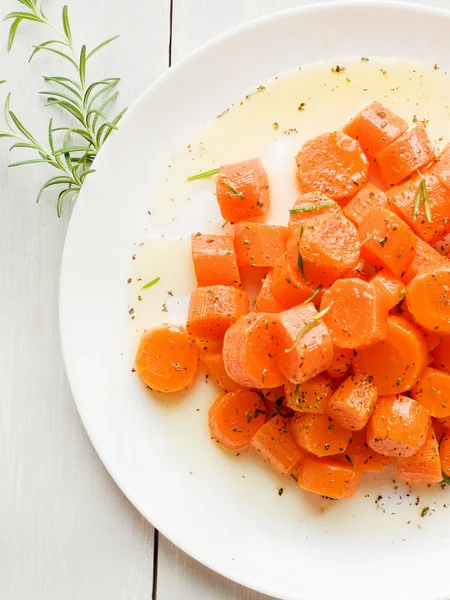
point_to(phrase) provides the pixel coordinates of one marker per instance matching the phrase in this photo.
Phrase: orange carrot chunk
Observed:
(249, 350)
(386, 241)
(444, 452)
(398, 426)
(362, 270)
(428, 298)
(353, 402)
(319, 434)
(329, 477)
(234, 419)
(368, 197)
(213, 309)
(274, 444)
(357, 315)
(375, 127)
(388, 286)
(309, 396)
(441, 167)
(411, 151)
(397, 362)
(333, 164)
(441, 355)
(305, 348)
(242, 190)
(259, 244)
(342, 363)
(362, 457)
(265, 300)
(289, 287)
(425, 256)
(433, 392)
(425, 465)
(215, 260)
(311, 205)
(212, 360)
(167, 359)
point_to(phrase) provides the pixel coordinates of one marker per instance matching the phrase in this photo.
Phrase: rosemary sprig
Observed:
(300, 257)
(310, 208)
(233, 190)
(150, 283)
(87, 103)
(422, 197)
(314, 294)
(314, 322)
(204, 175)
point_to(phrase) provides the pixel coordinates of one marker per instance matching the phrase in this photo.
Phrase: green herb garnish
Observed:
(311, 208)
(150, 283)
(300, 257)
(445, 478)
(204, 175)
(306, 328)
(422, 197)
(314, 294)
(233, 190)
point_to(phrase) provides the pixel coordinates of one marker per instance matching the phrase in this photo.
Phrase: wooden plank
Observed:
(66, 529)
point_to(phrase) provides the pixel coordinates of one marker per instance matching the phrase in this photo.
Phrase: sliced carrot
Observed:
(212, 360)
(310, 205)
(397, 362)
(242, 190)
(424, 256)
(333, 164)
(411, 151)
(391, 288)
(441, 355)
(386, 241)
(309, 396)
(234, 419)
(319, 434)
(362, 270)
(329, 247)
(441, 167)
(274, 444)
(215, 261)
(362, 457)
(402, 200)
(357, 315)
(289, 287)
(329, 477)
(342, 363)
(167, 359)
(432, 341)
(443, 246)
(375, 127)
(398, 426)
(433, 392)
(368, 197)
(265, 300)
(428, 298)
(305, 348)
(425, 465)
(249, 349)
(213, 309)
(259, 244)
(444, 452)
(353, 402)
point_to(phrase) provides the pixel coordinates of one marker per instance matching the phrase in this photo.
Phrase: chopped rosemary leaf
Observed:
(233, 190)
(204, 175)
(310, 208)
(150, 283)
(306, 328)
(314, 294)
(445, 478)
(300, 257)
(422, 197)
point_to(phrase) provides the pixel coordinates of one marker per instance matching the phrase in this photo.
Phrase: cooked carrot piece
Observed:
(265, 300)
(353, 402)
(234, 418)
(386, 241)
(443, 246)
(333, 164)
(342, 363)
(319, 434)
(249, 349)
(425, 465)
(329, 247)
(368, 197)
(411, 151)
(402, 198)
(309, 396)
(391, 288)
(311, 205)
(432, 340)
(444, 452)
(375, 127)
(441, 355)
(441, 167)
(424, 256)
(362, 270)
(428, 298)
(215, 261)
(259, 244)
(357, 315)
(288, 286)
(274, 444)
(305, 348)
(213, 309)
(397, 362)
(329, 477)
(398, 426)
(212, 360)
(167, 359)
(362, 457)
(242, 190)
(433, 392)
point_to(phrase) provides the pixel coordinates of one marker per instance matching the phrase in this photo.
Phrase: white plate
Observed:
(284, 546)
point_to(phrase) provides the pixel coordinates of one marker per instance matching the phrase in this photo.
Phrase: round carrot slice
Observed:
(362, 457)
(444, 452)
(441, 355)
(309, 396)
(425, 465)
(332, 163)
(396, 363)
(428, 298)
(319, 434)
(330, 477)
(234, 418)
(433, 392)
(167, 359)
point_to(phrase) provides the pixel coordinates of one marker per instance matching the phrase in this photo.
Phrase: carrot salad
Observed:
(350, 329)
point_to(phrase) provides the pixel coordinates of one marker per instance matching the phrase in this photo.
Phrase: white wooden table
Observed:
(66, 531)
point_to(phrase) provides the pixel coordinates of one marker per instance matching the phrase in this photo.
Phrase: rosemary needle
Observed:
(150, 283)
(233, 190)
(314, 294)
(204, 175)
(311, 208)
(315, 321)
(422, 197)
(300, 257)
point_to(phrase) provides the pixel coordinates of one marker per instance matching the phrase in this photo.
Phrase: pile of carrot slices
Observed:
(342, 363)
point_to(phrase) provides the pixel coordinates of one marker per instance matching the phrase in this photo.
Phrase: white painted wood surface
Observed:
(66, 531)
